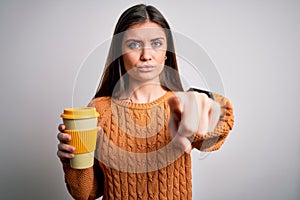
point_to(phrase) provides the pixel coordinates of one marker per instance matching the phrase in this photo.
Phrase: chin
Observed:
(144, 77)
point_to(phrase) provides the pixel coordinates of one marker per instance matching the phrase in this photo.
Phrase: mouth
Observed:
(145, 68)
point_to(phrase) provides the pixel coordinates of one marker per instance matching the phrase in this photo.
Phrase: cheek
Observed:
(160, 57)
(129, 60)
(162, 60)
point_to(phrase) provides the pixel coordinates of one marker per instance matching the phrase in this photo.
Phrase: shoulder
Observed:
(101, 103)
(100, 100)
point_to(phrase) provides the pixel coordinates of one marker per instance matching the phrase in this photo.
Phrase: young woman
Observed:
(148, 124)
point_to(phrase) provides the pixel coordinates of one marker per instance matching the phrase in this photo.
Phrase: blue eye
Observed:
(134, 45)
(156, 43)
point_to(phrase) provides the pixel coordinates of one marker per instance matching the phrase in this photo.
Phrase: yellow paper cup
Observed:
(81, 124)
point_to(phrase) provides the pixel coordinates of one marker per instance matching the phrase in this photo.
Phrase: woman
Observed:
(148, 124)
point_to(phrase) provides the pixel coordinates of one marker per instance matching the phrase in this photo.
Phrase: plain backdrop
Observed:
(254, 45)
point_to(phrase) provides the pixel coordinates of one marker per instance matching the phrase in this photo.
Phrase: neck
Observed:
(144, 92)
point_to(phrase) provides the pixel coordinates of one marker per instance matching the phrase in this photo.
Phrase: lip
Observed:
(146, 68)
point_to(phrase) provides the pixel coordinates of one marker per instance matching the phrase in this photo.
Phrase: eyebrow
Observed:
(159, 38)
(137, 40)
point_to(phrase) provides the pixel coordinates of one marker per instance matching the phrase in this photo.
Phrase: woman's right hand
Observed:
(64, 151)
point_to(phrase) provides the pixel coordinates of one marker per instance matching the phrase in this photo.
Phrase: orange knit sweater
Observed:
(135, 157)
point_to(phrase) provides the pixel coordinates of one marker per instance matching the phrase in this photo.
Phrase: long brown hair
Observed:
(115, 70)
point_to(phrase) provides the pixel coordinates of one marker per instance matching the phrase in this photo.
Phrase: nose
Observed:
(146, 54)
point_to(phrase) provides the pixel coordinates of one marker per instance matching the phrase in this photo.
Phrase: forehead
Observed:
(147, 30)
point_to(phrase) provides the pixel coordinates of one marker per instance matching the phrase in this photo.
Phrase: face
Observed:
(144, 49)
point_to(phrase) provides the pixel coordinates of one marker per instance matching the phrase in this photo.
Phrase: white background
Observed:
(255, 46)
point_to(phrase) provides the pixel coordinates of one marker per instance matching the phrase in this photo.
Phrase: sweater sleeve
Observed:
(84, 184)
(212, 141)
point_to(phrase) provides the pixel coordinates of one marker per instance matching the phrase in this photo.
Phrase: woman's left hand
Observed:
(191, 113)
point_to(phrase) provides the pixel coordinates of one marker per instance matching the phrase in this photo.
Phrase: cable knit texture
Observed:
(135, 157)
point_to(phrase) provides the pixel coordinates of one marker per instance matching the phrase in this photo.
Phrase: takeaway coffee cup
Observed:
(81, 124)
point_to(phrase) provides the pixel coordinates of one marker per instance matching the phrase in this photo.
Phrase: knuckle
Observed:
(60, 146)
(59, 136)
(182, 143)
(59, 154)
(201, 133)
(206, 102)
(62, 137)
(60, 127)
(188, 128)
